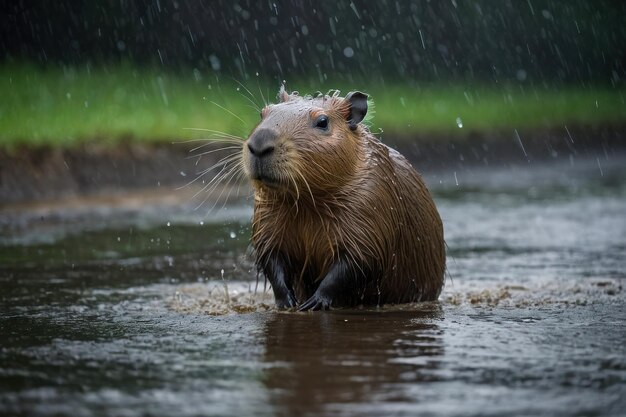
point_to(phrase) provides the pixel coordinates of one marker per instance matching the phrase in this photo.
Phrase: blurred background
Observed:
(87, 78)
(118, 72)
(531, 43)
(82, 71)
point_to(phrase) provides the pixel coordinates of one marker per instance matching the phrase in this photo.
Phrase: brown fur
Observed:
(344, 192)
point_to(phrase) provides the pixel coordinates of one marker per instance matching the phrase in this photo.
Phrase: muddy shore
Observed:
(31, 174)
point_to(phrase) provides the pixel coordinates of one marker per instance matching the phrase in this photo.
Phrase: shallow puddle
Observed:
(155, 309)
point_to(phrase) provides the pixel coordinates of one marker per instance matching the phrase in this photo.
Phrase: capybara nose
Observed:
(261, 143)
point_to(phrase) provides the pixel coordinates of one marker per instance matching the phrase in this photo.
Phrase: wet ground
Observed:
(140, 306)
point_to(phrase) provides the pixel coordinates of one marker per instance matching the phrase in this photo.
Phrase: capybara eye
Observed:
(321, 123)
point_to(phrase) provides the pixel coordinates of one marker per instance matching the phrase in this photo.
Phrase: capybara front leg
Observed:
(283, 293)
(338, 288)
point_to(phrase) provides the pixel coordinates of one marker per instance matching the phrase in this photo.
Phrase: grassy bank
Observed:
(66, 107)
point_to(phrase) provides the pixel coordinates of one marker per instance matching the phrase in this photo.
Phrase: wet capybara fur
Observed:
(340, 219)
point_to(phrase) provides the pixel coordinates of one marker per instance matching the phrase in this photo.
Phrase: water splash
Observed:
(218, 300)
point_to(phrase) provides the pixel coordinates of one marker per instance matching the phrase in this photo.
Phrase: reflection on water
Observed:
(323, 361)
(132, 310)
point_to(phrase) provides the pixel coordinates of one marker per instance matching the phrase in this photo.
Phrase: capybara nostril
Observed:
(261, 143)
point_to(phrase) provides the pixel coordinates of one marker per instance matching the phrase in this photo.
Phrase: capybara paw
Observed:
(316, 302)
(287, 301)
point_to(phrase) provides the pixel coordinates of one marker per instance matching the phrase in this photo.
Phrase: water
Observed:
(107, 310)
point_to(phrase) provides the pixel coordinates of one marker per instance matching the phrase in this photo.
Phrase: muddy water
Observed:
(142, 306)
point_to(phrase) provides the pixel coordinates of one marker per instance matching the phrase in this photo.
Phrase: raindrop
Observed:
(569, 134)
(519, 139)
(215, 62)
(348, 52)
(233, 235)
(201, 223)
(356, 12)
(168, 224)
(331, 23)
(182, 174)
(459, 122)
(422, 39)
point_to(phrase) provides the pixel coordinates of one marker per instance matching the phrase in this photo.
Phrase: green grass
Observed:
(65, 107)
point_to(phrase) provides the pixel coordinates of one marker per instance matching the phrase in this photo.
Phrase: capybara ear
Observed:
(357, 102)
(283, 95)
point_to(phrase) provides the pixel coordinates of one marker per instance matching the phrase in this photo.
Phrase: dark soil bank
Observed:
(41, 173)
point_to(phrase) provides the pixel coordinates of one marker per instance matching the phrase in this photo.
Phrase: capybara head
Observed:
(306, 144)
